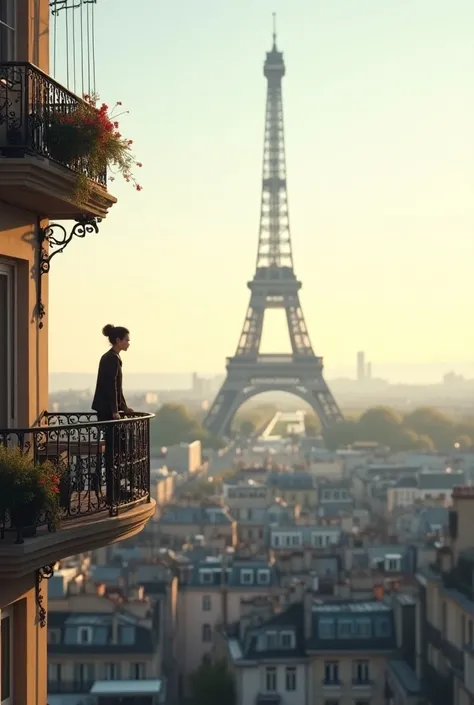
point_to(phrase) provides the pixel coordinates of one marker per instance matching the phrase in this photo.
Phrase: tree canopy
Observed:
(424, 429)
(212, 684)
(312, 424)
(173, 424)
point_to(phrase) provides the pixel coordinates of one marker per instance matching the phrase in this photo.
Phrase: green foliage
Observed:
(424, 429)
(173, 424)
(312, 425)
(212, 684)
(247, 427)
(258, 416)
(26, 488)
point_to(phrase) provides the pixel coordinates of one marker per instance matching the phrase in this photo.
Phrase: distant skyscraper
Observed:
(360, 366)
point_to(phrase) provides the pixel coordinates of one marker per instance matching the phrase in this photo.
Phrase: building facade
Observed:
(36, 192)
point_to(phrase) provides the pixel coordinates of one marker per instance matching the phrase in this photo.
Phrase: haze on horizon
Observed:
(379, 108)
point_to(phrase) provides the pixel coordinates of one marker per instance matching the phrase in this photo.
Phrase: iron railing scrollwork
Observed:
(29, 101)
(103, 466)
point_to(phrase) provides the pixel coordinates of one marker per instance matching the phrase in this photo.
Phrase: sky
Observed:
(379, 115)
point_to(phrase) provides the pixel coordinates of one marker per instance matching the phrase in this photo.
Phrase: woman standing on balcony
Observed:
(109, 402)
(108, 398)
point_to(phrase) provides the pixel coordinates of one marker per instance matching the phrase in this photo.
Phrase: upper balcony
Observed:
(32, 175)
(104, 488)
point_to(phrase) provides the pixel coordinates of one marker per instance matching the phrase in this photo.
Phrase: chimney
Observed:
(461, 525)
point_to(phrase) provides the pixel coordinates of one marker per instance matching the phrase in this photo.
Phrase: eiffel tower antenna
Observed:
(274, 285)
(274, 30)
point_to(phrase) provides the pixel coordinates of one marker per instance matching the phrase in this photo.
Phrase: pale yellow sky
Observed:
(379, 115)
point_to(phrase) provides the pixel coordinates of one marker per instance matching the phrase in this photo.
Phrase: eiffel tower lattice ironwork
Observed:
(274, 286)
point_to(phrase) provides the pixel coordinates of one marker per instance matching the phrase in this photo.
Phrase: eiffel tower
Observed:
(274, 286)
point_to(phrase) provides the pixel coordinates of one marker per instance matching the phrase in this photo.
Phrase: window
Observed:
(287, 640)
(361, 671)
(331, 672)
(363, 628)
(463, 629)
(393, 564)
(382, 627)
(54, 672)
(246, 577)
(127, 635)
(84, 635)
(272, 640)
(206, 632)
(205, 576)
(112, 671)
(276, 540)
(326, 629)
(137, 671)
(296, 540)
(263, 577)
(6, 661)
(7, 333)
(290, 678)
(270, 679)
(206, 603)
(331, 702)
(7, 30)
(345, 628)
(84, 673)
(362, 702)
(54, 636)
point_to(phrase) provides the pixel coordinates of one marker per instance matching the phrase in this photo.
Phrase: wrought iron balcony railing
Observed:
(29, 101)
(103, 466)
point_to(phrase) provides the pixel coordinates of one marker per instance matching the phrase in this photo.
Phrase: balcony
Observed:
(104, 488)
(30, 177)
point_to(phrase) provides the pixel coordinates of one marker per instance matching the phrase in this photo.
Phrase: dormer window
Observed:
(287, 640)
(263, 577)
(205, 576)
(393, 563)
(84, 635)
(272, 640)
(246, 577)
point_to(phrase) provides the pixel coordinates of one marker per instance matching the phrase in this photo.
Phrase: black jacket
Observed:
(108, 397)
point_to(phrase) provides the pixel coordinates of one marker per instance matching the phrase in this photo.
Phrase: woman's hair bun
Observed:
(108, 330)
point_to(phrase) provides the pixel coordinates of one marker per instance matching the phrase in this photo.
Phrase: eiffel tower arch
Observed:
(274, 285)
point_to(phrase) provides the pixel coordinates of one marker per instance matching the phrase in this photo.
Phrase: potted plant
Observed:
(86, 138)
(27, 490)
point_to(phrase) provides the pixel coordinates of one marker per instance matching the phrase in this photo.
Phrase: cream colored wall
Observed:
(347, 695)
(191, 618)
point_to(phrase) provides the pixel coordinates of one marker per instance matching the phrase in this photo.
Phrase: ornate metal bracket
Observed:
(44, 573)
(58, 239)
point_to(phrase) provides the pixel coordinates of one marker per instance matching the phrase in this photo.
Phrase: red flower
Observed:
(139, 188)
(139, 165)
